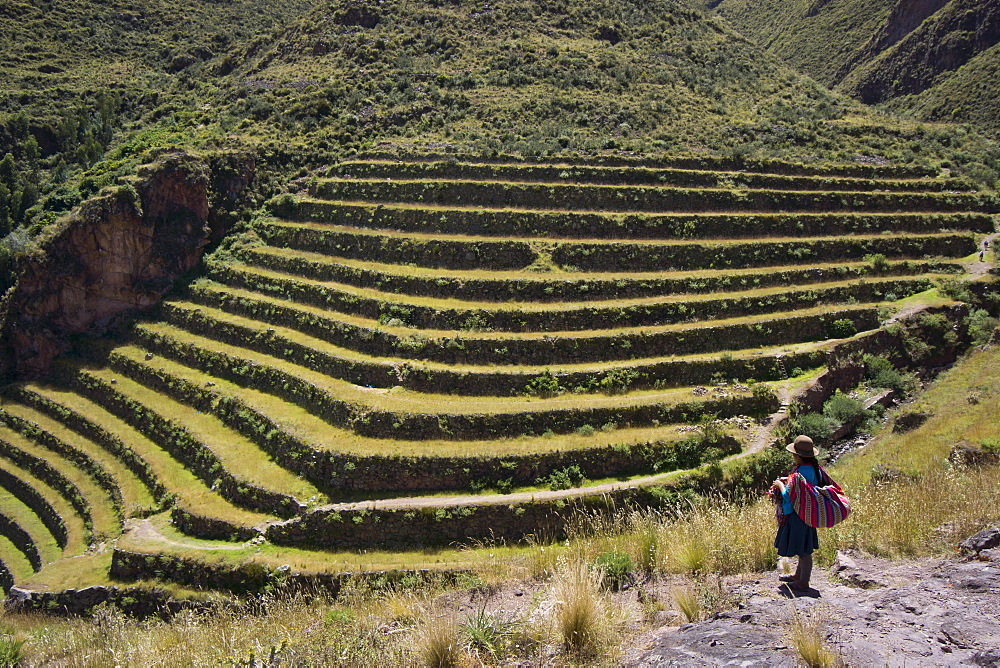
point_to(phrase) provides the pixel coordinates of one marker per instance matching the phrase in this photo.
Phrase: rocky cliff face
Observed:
(121, 251)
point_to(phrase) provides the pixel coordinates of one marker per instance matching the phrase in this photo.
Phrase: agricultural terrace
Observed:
(424, 353)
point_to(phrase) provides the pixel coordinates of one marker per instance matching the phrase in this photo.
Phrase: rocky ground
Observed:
(870, 612)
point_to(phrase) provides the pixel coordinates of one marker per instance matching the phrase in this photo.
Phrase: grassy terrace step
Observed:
(265, 559)
(414, 416)
(12, 528)
(432, 313)
(554, 287)
(160, 471)
(305, 443)
(49, 546)
(453, 252)
(692, 162)
(564, 173)
(29, 495)
(14, 566)
(643, 198)
(509, 222)
(353, 367)
(19, 483)
(73, 485)
(452, 347)
(219, 456)
(130, 493)
(15, 561)
(192, 383)
(59, 451)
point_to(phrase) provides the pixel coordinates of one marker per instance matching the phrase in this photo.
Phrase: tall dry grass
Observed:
(920, 515)
(711, 536)
(807, 636)
(438, 641)
(579, 613)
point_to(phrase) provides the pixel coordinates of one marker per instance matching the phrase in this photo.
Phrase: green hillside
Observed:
(965, 96)
(80, 77)
(362, 285)
(934, 60)
(819, 38)
(298, 85)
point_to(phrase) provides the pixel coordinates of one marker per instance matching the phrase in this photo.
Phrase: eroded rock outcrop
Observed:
(121, 251)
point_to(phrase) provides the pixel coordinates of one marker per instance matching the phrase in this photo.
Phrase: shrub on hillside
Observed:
(564, 478)
(957, 289)
(843, 408)
(816, 426)
(928, 337)
(752, 475)
(981, 326)
(878, 261)
(842, 329)
(283, 205)
(545, 386)
(880, 372)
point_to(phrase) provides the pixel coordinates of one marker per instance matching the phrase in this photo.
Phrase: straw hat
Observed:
(803, 447)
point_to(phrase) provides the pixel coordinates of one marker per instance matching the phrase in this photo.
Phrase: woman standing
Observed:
(795, 538)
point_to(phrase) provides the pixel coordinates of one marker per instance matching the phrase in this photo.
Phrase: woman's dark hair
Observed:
(809, 461)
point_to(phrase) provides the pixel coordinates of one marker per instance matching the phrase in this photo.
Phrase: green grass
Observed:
(403, 401)
(24, 517)
(845, 44)
(356, 356)
(426, 312)
(820, 42)
(597, 242)
(81, 571)
(136, 497)
(634, 175)
(178, 480)
(213, 289)
(304, 561)
(102, 508)
(559, 284)
(463, 80)
(14, 560)
(337, 351)
(961, 402)
(662, 542)
(238, 455)
(324, 436)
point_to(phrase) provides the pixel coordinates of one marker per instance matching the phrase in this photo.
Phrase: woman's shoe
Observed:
(788, 578)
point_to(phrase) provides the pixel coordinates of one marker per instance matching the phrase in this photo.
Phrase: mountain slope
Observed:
(94, 86)
(884, 50)
(964, 96)
(946, 40)
(526, 76)
(817, 37)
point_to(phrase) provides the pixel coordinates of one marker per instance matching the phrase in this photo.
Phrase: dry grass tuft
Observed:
(688, 603)
(806, 636)
(438, 641)
(580, 613)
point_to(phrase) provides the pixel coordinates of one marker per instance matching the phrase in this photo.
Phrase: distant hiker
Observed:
(986, 244)
(982, 255)
(795, 538)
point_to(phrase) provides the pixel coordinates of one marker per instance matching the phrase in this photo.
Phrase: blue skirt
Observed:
(796, 538)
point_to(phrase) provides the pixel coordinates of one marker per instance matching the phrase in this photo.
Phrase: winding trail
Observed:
(147, 532)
